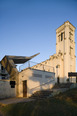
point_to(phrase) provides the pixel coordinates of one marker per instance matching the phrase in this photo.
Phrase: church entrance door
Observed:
(25, 88)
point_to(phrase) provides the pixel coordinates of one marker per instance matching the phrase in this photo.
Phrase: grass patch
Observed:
(64, 104)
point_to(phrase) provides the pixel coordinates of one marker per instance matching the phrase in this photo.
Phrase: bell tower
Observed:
(65, 45)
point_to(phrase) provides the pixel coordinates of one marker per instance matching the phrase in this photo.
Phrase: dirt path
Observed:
(15, 100)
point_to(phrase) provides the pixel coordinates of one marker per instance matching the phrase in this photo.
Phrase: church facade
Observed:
(44, 75)
(64, 60)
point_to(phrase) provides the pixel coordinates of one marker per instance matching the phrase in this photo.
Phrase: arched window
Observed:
(61, 36)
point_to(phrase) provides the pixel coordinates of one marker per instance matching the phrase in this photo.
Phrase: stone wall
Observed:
(5, 90)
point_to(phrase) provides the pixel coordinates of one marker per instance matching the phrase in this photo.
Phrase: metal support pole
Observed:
(29, 64)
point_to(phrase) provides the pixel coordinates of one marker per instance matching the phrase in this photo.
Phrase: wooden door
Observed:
(25, 88)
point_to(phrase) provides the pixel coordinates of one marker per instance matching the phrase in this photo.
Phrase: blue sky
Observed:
(29, 26)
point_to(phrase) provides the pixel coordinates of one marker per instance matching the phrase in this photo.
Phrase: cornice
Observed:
(67, 23)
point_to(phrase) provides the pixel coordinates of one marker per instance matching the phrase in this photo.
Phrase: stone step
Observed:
(62, 85)
(41, 94)
(58, 88)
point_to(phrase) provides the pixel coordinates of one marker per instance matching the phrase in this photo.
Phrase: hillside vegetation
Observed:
(64, 104)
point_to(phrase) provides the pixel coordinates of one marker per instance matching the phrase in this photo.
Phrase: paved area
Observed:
(15, 100)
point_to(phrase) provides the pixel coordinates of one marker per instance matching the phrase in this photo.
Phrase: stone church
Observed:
(44, 75)
(64, 60)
